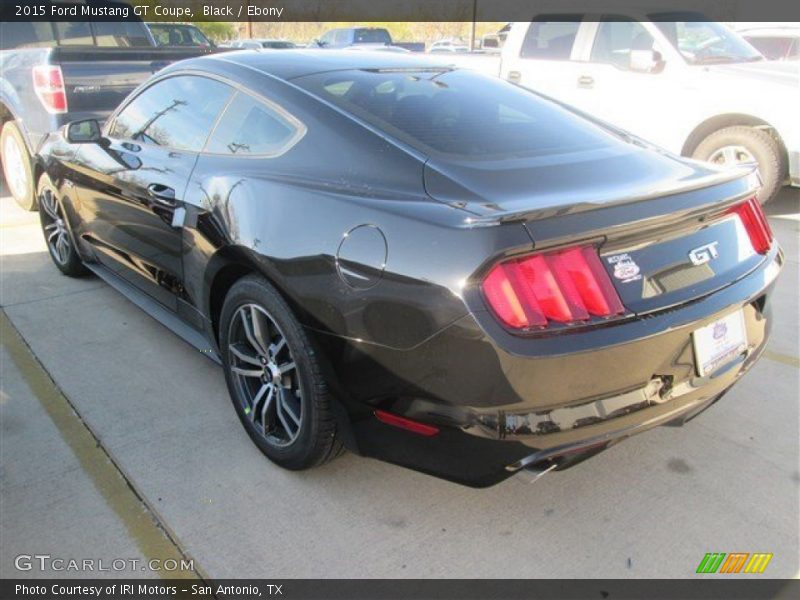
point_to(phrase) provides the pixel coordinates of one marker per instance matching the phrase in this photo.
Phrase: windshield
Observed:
(371, 36)
(456, 113)
(704, 42)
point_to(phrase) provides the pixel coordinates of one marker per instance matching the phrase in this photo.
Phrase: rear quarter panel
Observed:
(288, 217)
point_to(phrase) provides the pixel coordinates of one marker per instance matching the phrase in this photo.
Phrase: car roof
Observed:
(289, 64)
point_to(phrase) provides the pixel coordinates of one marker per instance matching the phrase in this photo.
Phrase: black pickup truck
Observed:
(52, 73)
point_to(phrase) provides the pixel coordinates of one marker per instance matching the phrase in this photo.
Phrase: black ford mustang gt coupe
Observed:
(416, 262)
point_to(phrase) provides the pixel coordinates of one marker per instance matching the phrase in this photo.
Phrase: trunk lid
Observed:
(659, 222)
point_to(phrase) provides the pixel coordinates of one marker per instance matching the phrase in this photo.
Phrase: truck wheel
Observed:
(17, 166)
(742, 146)
(274, 378)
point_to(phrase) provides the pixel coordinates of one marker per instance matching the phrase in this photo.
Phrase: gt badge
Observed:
(703, 254)
(625, 268)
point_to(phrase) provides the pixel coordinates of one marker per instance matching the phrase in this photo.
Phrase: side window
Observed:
(177, 112)
(26, 35)
(551, 39)
(120, 34)
(251, 127)
(616, 39)
(78, 33)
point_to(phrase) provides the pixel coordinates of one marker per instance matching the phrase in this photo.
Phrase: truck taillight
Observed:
(755, 223)
(563, 286)
(48, 83)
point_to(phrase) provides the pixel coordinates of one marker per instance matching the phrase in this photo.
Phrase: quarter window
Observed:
(616, 39)
(551, 39)
(177, 112)
(251, 127)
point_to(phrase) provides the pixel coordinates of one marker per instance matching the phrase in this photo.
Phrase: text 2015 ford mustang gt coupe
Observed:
(415, 262)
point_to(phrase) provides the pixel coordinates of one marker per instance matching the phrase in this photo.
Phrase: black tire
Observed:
(54, 228)
(21, 165)
(760, 144)
(316, 441)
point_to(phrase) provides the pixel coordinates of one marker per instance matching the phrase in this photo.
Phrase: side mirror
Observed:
(83, 132)
(320, 43)
(646, 61)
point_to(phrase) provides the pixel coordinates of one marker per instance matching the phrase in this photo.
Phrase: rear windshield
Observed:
(457, 113)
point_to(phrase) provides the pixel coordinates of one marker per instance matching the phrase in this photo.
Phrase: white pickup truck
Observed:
(695, 88)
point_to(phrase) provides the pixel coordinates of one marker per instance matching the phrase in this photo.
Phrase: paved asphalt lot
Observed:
(154, 411)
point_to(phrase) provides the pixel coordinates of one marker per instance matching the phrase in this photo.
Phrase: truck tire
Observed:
(17, 166)
(741, 145)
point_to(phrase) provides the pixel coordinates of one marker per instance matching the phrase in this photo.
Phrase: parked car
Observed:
(775, 43)
(693, 87)
(467, 284)
(179, 34)
(448, 45)
(447, 49)
(491, 43)
(55, 72)
(374, 37)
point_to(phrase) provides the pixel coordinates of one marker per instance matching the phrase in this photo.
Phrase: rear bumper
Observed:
(504, 403)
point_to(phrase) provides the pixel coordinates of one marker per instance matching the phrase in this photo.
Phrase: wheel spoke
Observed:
(56, 233)
(277, 346)
(286, 367)
(254, 405)
(244, 357)
(265, 408)
(248, 332)
(286, 405)
(247, 372)
(260, 329)
(279, 406)
(63, 248)
(51, 226)
(729, 155)
(48, 203)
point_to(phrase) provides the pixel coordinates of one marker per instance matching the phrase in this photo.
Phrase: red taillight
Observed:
(48, 83)
(407, 424)
(755, 223)
(564, 286)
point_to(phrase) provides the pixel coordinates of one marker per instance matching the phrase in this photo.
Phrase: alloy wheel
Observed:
(55, 230)
(265, 375)
(733, 156)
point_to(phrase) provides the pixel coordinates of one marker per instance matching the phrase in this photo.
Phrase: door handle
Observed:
(163, 194)
(514, 76)
(586, 81)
